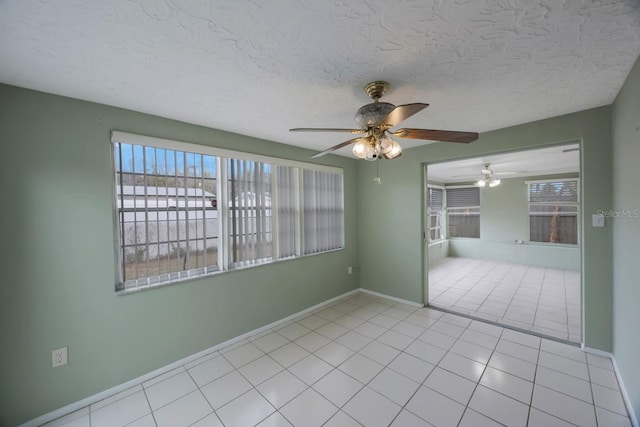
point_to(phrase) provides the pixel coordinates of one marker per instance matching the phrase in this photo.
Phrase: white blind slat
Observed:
(463, 197)
(434, 199)
(561, 191)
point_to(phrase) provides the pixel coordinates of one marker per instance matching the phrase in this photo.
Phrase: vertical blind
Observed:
(185, 210)
(287, 211)
(322, 211)
(250, 211)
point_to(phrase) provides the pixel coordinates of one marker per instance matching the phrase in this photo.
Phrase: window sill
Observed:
(144, 288)
(554, 245)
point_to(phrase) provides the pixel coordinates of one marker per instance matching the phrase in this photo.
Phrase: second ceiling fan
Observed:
(376, 120)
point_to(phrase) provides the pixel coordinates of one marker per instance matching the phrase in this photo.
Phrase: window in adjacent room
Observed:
(185, 210)
(463, 211)
(553, 211)
(435, 205)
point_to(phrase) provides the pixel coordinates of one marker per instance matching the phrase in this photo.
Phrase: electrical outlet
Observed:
(59, 357)
(349, 270)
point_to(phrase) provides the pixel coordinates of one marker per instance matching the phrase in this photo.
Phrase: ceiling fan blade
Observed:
(400, 113)
(336, 147)
(353, 131)
(437, 135)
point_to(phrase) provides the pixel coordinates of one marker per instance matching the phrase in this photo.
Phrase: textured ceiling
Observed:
(543, 161)
(261, 67)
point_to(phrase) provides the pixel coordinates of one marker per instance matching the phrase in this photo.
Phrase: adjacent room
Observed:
(347, 213)
(503, 239)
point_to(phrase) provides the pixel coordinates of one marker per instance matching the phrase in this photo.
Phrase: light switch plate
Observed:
(597, 220)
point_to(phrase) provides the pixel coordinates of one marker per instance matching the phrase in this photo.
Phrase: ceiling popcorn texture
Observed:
(261, 67)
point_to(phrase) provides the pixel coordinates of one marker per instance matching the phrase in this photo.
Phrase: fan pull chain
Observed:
(377, 179)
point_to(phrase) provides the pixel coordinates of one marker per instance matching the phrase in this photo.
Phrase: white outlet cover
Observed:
(59, 357)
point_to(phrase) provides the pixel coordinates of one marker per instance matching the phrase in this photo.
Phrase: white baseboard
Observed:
(625, 395)
(378, 294)
(623, 389)
(596, 351)
(76, 406)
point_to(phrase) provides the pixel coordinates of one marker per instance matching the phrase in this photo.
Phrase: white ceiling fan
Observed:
(487, 178)
(375, 121)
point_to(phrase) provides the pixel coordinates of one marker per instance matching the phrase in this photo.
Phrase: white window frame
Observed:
(442, 223)
(224, 259)
(557, 203)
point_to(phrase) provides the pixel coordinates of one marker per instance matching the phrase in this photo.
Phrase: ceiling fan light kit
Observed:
(376, 119)
(487, 178)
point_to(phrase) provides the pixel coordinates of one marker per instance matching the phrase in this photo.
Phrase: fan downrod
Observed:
(375, 90)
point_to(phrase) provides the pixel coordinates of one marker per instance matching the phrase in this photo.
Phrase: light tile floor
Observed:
(374, 362)
(538, 299)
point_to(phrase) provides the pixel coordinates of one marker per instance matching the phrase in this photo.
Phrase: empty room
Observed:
(503, 239)
(360, 213)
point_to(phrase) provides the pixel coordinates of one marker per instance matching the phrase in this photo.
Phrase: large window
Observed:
(185, 210)
(435, 205)
(463, 212)
(553, 211)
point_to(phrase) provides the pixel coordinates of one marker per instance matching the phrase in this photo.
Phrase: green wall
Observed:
(58, 260)
(438, 251)
(504, 218)
(626, 234)
(391, 249)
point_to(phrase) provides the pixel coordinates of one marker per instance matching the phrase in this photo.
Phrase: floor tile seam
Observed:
(626, 411)
(196, 421)
(592, 404)
(506, 395)
(607, 387)
(146, 395)
(493, 419)
(246, 363)
(624, 403)
(274, 349)
(555, 416)
(267, 379)
(518, 357)
(216, 378)
(567, 358)
(375, 391)
(514, 295)
(340, 408)
(216, 411)
(130, 393)
(595, 414)
(547, 319)
(404, 407)
(479, 332)
(179, 370)
(484, 370)
(567, 394)
(468, 408)
(535, 375)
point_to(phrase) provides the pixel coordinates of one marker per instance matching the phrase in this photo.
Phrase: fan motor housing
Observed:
(371, 114)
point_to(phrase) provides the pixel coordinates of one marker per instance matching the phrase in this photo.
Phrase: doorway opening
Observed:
(503, 239)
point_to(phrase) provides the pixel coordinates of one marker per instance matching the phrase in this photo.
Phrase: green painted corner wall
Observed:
(58, 260)
(390, 224)
(626, 234)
